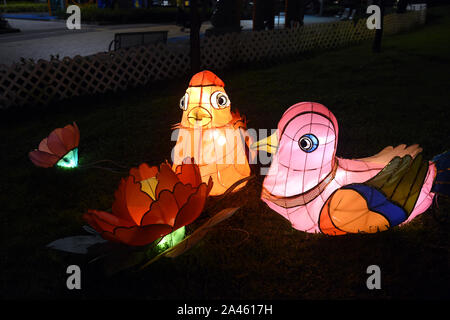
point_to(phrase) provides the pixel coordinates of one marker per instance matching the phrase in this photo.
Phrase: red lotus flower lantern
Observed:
(60, 148)
(151, 203)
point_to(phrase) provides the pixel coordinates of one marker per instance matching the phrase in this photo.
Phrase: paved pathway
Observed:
(40, 39)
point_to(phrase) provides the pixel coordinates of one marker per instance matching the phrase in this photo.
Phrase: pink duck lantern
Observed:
(319, 192)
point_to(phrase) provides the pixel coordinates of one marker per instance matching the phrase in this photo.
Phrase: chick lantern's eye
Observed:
(184, 102)
(220, 100)
(308, 142)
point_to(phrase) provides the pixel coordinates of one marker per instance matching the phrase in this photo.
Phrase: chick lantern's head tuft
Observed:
(206, 78)
(205, 103)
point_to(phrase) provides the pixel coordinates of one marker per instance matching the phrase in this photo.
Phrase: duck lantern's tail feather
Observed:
(401, 181)
(384, 201)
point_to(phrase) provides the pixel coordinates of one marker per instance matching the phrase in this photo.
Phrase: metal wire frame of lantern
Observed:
(60, 148)
(212, 134)
(148, 218)
(320, 192)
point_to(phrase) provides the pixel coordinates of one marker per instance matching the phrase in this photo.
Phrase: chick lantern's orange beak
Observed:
(199, 116)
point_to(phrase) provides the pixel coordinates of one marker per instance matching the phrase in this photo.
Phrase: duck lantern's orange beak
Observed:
(269, 144)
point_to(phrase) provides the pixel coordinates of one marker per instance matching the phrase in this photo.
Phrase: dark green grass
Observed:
(399, 96)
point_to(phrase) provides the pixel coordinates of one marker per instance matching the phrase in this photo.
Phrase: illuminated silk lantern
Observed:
(59, 148)
(319, 192)
(212, 134)
(152, 203)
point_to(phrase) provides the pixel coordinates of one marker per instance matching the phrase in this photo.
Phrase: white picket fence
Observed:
(45, 81)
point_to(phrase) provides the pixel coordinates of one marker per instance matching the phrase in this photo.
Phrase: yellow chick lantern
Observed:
(212, 134)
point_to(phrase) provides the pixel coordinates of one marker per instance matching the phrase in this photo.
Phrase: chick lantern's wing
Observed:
(382, 202)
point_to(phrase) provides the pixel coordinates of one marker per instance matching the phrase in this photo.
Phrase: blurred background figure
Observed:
(295, 12)
(264, 15)
(226, 17)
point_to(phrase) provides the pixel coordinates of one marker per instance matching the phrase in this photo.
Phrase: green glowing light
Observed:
(172, 239)
(70, 160)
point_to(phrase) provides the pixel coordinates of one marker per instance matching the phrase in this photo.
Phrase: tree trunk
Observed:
(195, 37)
(269, 14)
(237, 14)
(287, 15)
(258, 15)
(379, 32)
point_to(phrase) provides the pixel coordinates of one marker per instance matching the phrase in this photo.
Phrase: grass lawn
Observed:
(398, 96)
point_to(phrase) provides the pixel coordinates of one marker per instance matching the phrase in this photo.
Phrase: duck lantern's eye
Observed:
(308, 142)
(220, 100)
(184, 102)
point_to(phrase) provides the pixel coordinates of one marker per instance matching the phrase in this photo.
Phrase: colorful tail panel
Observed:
(382, 202)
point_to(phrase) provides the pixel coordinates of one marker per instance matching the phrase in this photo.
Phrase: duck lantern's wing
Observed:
(382, 202)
